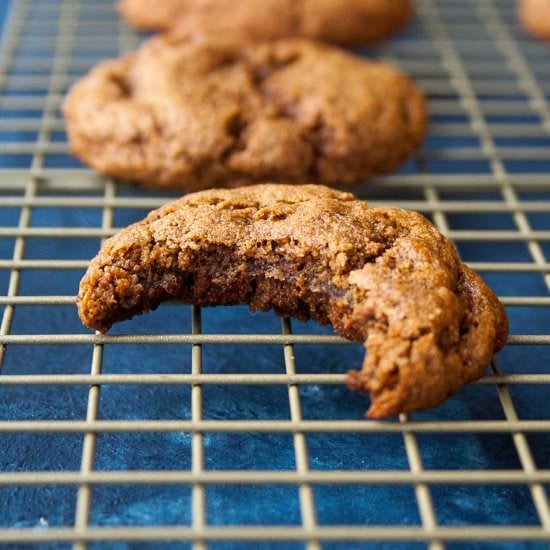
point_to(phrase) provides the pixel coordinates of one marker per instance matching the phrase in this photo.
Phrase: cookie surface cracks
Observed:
(382, 276)
(190, 115)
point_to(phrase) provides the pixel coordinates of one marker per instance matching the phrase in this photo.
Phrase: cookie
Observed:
(345, 22)
(382, 276)
(191, 115)
(535, 17)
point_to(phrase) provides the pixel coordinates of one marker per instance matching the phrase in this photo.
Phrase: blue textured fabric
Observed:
(254, 505)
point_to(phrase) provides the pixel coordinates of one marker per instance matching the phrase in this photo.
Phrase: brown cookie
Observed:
(341, 21)
(535, 17)
(190, 115)
(382, 276)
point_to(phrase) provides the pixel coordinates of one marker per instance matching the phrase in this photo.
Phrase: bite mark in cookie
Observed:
(347, 22)
(382, 276)
(190, 115)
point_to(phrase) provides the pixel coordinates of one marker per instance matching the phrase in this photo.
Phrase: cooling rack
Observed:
(224, 429)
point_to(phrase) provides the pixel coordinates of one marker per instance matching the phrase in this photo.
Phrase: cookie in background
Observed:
(192, 113)
(346, 22)
(535, 17)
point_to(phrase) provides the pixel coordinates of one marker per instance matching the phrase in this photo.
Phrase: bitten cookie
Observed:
(382, 276)
(341, 21)
(190, 115)
(535, 17)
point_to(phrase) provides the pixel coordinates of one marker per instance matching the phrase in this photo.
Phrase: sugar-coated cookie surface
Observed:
(535, 17)
(382, 276)
(340, 21)
(193, 114)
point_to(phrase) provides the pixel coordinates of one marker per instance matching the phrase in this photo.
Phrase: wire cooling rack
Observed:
(223, 429)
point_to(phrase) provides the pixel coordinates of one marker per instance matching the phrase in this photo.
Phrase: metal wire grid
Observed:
(454, 87)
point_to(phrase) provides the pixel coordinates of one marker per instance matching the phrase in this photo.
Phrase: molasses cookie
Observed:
(535, 17)
(382, 276)
(190, 114)
(341, 21)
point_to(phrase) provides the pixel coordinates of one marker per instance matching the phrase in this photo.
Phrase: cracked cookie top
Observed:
(341, 21)
(192, 113)
(382, 276)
